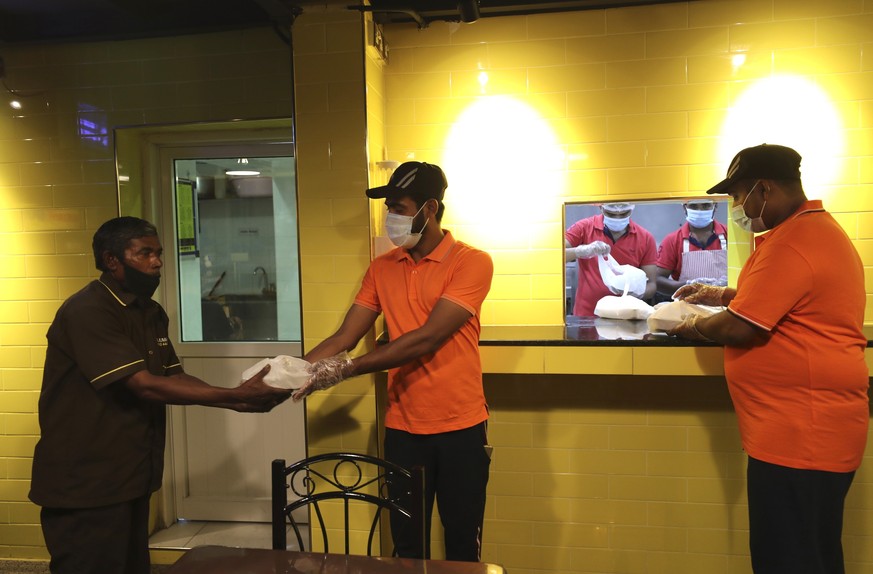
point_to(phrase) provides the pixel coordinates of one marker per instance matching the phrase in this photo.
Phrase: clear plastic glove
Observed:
(591, 250)
(325, 374)
(687, 329)
(700, 294)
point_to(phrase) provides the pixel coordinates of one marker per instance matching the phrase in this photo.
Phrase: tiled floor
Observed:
(42, 567)
(181, 536)
(187, 534)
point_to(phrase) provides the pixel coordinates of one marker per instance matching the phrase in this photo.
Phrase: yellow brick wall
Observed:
(590, 474)
(634, 102)
(616, 473)
(331, 122)
(56, 187)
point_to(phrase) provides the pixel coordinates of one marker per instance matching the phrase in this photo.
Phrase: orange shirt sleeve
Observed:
(471, 281)
(367, 295)
(772, 284)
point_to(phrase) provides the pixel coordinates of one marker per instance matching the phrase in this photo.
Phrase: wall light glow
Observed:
(505, 171)
(791, 111)
(483, 81)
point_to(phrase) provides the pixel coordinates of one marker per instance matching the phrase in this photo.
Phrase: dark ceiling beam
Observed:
(425, 11)
(47, 21)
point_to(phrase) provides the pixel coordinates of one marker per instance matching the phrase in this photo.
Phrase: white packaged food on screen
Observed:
(622, 279)
(669, 315)
(624, 307)
(286, 372)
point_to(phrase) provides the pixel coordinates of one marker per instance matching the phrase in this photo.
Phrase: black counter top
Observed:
(593, 331)
(587, 331)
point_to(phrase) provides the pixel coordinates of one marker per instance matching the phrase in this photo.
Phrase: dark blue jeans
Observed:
(455, 473)
(796, 519)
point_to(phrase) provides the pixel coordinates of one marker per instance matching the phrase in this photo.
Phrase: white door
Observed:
(232, 290)
(222, 458)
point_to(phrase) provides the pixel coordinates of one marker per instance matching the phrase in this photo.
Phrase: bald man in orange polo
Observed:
(430, 289)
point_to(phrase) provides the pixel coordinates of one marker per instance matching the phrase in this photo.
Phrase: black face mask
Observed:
(140, 283)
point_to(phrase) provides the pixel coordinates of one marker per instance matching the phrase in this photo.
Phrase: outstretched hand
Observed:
(593, 249)
(258, 396)
(700, 294)
(325, 374)
(687, 329)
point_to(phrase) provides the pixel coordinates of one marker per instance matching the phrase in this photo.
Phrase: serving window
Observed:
(661, 235)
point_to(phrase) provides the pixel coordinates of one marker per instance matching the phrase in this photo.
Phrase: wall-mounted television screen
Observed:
(674, 241)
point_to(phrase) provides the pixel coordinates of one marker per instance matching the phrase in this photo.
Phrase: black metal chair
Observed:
(354, 479)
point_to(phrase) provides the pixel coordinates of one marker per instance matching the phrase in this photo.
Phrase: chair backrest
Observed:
(353, 479)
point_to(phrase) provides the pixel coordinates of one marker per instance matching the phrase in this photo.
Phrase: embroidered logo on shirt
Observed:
(162, 341)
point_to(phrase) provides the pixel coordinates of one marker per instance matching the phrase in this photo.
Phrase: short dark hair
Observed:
(420, 201)
(116, 234)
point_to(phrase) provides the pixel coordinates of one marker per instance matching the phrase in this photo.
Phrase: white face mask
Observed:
(616, 224)
(399, 228)
(699, 218)
(738, 214)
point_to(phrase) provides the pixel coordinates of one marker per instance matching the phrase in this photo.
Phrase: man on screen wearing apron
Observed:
(694, 253)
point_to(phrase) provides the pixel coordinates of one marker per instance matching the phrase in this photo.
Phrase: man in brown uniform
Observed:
(110, 369)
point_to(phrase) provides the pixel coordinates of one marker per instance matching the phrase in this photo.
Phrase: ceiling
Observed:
(42, 21)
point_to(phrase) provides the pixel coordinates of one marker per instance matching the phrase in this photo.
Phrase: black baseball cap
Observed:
(765, 161)
(415, 179)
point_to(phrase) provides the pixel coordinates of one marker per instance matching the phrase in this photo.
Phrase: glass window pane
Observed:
(236, 224)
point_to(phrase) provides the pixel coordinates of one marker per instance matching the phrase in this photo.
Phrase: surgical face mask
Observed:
(139, 283)
(738, 214)
(699, 218)
(616, 224)
(399, 228)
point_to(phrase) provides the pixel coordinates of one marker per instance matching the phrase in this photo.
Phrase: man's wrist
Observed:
(348, 369)
(696, 330)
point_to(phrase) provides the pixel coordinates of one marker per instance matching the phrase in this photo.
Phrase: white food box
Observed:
(286, 372)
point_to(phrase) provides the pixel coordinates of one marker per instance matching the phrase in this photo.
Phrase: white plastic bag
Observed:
(285, 372)
(622, 278)
(624, 307)
(671, 314)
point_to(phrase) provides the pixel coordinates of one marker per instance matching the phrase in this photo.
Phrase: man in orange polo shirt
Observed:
(794, 362)
(431, 289)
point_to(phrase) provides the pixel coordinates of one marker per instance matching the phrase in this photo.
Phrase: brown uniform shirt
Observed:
(100, 444)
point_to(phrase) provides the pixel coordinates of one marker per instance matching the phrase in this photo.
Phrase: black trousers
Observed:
(106, 540)
(796, 519)
(456, 473)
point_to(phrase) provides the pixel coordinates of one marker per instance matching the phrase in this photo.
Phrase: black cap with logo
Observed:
(765, 161)
(413, 178)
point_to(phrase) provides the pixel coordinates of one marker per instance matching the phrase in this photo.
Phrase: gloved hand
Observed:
(687, 329)
(700, 294)
(325, 374)
(592, 249)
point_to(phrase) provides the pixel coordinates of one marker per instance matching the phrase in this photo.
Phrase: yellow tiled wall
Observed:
(58, 184)
(615, 473)
(637, 100)
(591, 473)
(332, 112)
